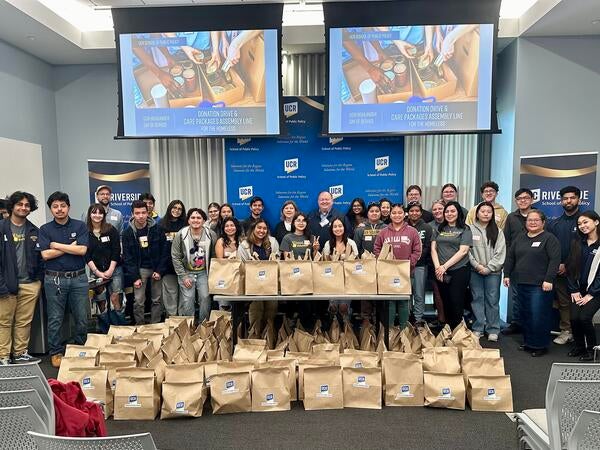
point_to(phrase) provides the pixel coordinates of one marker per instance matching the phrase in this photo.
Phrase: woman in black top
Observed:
(103, 256)
(356, 214)
(169, 225)
(532, 263)
(584, 284)
(386, 208)
(225, 211)
(288, 211)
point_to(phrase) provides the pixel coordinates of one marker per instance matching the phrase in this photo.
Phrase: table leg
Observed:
(386, 323)
(235, 319)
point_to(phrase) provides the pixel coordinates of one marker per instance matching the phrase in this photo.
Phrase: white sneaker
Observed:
(25, 358)
(493, 337)
(4, 361)
(478, 333)
(563, 338)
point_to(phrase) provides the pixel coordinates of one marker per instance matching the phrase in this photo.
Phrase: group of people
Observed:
(467, 253)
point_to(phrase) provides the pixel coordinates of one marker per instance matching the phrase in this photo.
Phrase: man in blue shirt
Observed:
(565, 229)
(63, 243)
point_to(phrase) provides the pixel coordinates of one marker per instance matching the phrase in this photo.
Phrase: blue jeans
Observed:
(516, 304)
(187, 296)
(62, 293)
(486, 302)
(536, 315)
(418, 291)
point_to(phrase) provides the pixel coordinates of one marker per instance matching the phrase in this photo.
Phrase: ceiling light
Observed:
(84, 17)
(297, 14)
(513, 9)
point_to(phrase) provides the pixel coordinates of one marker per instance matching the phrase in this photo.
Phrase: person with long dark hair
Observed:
(213, 216)
(386, 208)
(225, 211)
(288, 211)
(231, 234)
(169, 225)
(584, 284)
(260, 242)
(191, 253)
(298, 241)
(532, 262)
(356, 214)
(103, 255)
(450, 245)
(365, 236)
(437, 211)
(487, 258)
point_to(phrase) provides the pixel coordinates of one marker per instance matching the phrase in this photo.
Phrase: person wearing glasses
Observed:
(532, 263)
(213, 216)
(365, 237)
(191, 253)
(298, 241)
(489, 192)
(288, 212)
(450, 194)
(514, 226)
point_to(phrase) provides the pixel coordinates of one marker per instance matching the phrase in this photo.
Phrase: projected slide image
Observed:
(199, 83)
(438, 68)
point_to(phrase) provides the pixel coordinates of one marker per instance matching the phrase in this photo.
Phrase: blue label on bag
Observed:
(270, 397)
(405, 388)
(86, 381)
(491, 392)
(180, 405)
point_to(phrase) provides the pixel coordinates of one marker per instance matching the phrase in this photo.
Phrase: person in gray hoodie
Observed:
(487, 258)
(191, 252)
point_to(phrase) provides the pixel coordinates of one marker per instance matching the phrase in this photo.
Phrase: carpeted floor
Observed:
(355, 428)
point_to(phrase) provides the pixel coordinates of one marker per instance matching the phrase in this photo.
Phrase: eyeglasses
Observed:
(179, 208)
(489, 191)
(300, 221)
(522, 199)
(533, 220)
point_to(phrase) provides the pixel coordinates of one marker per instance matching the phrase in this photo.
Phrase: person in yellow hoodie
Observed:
(489, 192)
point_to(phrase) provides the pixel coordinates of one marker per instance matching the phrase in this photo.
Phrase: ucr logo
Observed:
(290, 109)
(291, 165)
(336, 191)
(381, 163)
(537, 195)
(242, 141)
(246, 192)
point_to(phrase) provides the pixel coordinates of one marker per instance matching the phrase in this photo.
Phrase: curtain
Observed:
(190, 170)
(432, 161)
(193, 170)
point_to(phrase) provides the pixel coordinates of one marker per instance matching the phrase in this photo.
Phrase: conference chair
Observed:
(586, 433)
(28, 397)
(142, 441)
(30, 382)
(15, 422)
(571, 398)
(532, 424)
(25, 370)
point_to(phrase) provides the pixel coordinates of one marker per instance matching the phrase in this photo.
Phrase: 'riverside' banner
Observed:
(299, 166)
(545, 175)
(127, 179)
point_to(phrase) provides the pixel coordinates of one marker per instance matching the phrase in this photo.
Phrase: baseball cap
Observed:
(103, 186)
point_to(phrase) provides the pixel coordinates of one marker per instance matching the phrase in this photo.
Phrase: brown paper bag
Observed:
(183, 329)
(118, 332)
(269, 335)
(427, 337)
(296, 277)
(441, 359)
(304, 341)
(80, 351)
(481, 353)
(318, 334)
(490, 393)
(463, 338)
(95, 386)
(210, 370)
(226, 277)
(158, 364)
(305, 363)
(275, 354)
(262, 277)
(444, 335)
(111, 357)
(173, 322)
(156, 337)
(328, 277)
(410, 339)
(348, 339)
(362, 387)
(334, 332)
(444, 390)
(161, 327)
(216, 313)
(330, 352)
(170, 347)
(98, 340)
(230, 393)
(290, 364)
(270, 389)
(323, 388)
(188, 348)
(118, 348)
(137, 395)
(112, 368)
(138, 345)
(225, 353)
(472, 367)
(205, 329)
(67, 363)
(252, 353)
(360, 277)
(182, 399)
(193, 372)
(393, 277)
(403, 380)
(234, 367)
(358, 359)
(368, 341)
(394, 339)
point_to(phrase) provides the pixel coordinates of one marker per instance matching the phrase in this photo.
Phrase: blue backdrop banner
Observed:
(299, 166)
(127, 179)
(545, 175)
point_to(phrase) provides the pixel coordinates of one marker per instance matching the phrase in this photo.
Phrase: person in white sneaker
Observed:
(20, 275)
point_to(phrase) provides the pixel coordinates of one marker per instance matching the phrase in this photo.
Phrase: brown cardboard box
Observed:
(229, 97)
(355, 75)
(466, 59)
(439, 92)
(146, 79)
(252, 63)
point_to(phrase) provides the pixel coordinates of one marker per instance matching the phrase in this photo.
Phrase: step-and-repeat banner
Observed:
(302, 164)
(127, 179)
(545, 175)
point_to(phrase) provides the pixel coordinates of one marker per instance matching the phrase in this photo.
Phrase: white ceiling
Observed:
(34, 28)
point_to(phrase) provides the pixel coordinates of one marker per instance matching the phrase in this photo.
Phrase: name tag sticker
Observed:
(324, 223)
(144, 241)
(536, 244)
(306, 242)
(114, 217)
(104, 239)
(368, 238)
(476, 238)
